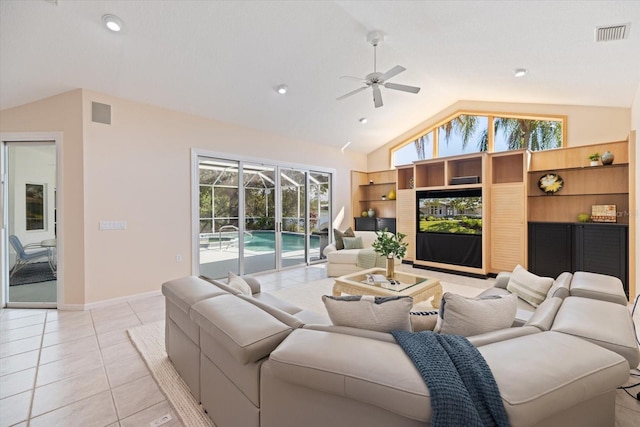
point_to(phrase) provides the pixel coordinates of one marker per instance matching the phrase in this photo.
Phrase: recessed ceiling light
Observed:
(363, 120)
(113, 23)
(344, 147)
(519, 72)
(282, 89)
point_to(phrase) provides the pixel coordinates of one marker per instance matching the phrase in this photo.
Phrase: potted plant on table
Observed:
(390, 246)
(594, 158)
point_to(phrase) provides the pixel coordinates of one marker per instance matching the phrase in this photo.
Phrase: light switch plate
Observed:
(113, 225)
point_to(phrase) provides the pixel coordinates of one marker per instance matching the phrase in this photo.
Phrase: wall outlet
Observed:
(113, 225)
(178, 258)
(162, 420)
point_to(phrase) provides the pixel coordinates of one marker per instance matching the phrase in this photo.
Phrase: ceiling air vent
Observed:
(609, 33)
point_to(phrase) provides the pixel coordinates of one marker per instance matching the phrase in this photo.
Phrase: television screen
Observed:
(452, 212)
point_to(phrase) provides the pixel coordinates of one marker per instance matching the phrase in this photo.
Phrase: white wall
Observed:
(30, 163)
(138, 169)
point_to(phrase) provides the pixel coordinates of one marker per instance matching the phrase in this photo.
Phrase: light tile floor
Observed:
(65, 368)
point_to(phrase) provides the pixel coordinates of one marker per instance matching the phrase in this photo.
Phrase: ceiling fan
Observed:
(376, 79)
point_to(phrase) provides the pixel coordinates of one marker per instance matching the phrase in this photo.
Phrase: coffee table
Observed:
(421, 288)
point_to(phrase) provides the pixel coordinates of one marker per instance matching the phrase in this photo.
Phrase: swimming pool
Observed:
(264, 241)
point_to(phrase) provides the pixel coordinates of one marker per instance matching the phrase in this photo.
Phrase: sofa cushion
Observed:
(383, 314)
(246, 331)
(598, 286)
(352, 242)
(186, 291)
(338, 236)
(606, 324)
(238, 283)
(543, 317)
(543, 374)
(561, 285)
(472, 316)
(528, 286)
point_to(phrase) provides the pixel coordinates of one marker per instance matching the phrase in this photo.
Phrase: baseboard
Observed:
(109, 302)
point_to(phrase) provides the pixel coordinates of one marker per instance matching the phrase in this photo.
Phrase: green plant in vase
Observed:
(390, 246)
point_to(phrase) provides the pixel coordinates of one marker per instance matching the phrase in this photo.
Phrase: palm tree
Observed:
(531, 134)
(520, 133)
(465, 126)
(420, 145)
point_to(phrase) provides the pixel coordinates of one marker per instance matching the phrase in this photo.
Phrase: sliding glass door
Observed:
(294, 236)
(260, 217)
(277, 218)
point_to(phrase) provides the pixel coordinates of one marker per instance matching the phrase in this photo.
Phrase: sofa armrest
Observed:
(253, 283)
(502, 279)
(328, 249)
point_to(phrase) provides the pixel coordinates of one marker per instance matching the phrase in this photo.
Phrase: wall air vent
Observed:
(609, 33)
(101, 113)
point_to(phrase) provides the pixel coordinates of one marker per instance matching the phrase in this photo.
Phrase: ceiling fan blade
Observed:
(392, 72)
(403, 88)
(353, 78)
(377, 96)
(353, 92)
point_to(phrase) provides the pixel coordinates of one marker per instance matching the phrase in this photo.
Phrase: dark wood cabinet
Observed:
(375, 224)
(602, 248)
(550, 248)
(597, 248)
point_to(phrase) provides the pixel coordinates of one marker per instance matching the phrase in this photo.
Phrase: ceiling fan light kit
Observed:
(376, 79)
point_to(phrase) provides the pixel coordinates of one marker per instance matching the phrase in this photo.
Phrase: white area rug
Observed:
(149, 340)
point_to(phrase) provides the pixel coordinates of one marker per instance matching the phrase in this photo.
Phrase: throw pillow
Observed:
(531, 288)
(352, 242)
(382, 314)
(423, 320)
(238, 283)
(473, 316)
(339, 235)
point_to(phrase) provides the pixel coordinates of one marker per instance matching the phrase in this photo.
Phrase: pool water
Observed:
(264, 241)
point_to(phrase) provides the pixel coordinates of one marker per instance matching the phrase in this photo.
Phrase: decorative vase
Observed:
(391, 265)
(411, 182)
(392, 195)
(607, 158)
(371, 213)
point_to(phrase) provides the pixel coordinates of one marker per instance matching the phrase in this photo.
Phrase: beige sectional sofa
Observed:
(258, 361)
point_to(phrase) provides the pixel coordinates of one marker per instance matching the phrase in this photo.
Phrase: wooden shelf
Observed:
(365, 195)
(404, 176)
(584, 186)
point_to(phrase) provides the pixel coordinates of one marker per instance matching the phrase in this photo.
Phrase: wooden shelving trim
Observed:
(377, 184)
(579, 168)
(450, 187)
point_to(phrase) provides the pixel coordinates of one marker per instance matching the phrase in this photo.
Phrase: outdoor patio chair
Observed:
(26, 254)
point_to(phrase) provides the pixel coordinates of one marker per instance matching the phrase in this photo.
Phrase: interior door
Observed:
(29, 238)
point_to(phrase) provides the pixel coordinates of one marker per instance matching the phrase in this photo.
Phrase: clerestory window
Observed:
(471, 133)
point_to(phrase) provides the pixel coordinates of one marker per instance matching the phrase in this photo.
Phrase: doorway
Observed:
(255, 217)
(29, 222)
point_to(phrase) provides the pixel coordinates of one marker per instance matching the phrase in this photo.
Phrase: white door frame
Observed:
(56, 138)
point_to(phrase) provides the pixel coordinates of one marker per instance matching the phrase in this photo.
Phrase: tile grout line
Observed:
(35, 377)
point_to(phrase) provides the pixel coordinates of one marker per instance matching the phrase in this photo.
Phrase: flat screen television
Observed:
(449, 211)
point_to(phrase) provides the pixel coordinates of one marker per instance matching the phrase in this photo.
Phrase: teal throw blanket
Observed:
(462, 388)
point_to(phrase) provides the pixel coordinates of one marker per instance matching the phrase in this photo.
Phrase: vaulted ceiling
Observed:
(223, 59)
